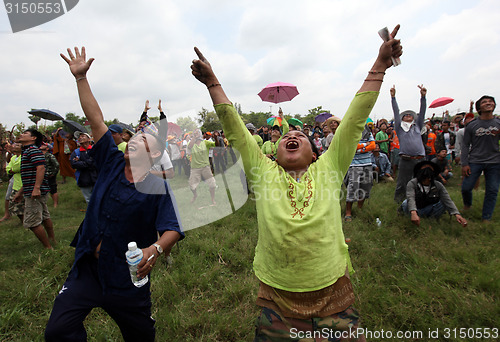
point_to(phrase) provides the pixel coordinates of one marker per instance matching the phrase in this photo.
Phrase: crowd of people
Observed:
(122, 175)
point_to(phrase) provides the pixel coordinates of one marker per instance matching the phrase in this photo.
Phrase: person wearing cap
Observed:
(425, 197)
(127, 134)
(127, 204)
(411, 148)
(301, 258)
(481, 154)
(51, 171)
(83, 163)
(270, 147)
(382, 138)
(257, 138)
(116, 132)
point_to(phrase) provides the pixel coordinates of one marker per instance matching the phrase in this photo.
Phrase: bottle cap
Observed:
(132, 246)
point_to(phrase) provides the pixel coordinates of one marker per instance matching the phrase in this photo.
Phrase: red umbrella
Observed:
(278, 92)
(174, 129)
(442, 101)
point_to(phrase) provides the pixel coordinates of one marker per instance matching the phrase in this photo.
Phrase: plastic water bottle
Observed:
(134, 257)
(379, 223)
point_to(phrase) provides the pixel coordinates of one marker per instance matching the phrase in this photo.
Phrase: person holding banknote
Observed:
(301, 257)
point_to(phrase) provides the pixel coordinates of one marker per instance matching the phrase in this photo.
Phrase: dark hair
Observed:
(484, 97)
(313, 148)
(37, 135)
(446, 122)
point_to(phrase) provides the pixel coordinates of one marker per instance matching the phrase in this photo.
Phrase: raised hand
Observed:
(423, 91)
(159, 106)
(393, 91)
(391, 48)
(146, 106)
(78, 64)
(202, 70)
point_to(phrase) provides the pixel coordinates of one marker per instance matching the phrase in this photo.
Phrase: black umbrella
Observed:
(125, 126)
(46, 114)
(74, 126)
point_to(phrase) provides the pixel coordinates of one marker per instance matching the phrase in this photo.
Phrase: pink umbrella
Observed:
(442, 101)
(278, 92)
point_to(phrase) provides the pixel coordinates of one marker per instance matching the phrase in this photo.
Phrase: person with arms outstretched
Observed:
(127, 204)
(301, 257)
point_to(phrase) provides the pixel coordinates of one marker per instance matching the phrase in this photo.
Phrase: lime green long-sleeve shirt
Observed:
(301, 246)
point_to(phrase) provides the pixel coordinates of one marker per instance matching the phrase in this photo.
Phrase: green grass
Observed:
(408, 278)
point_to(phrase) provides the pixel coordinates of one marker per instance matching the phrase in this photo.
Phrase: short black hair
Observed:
(446, 122)
(37, 135)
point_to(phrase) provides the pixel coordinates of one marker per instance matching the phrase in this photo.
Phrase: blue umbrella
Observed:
(46, 114)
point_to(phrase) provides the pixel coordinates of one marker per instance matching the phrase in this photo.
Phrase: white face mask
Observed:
(406, 125)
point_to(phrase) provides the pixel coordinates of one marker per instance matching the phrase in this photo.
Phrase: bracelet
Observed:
(213, 85)
(81, 78)
(376, 72)
(373, 79)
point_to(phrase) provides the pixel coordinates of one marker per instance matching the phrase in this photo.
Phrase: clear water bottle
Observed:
(379, 223)
(134, 257)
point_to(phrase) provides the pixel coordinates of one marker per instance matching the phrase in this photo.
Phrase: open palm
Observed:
(78, 65)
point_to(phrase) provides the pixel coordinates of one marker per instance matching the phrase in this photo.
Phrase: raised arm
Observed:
(79, 65)
(391, 48)
(423, 106)
(202, 70)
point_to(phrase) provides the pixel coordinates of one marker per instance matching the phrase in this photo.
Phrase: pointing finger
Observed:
(200, 55)
(395, 31)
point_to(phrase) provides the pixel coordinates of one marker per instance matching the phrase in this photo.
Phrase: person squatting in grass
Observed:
(301, 257)
(127, 204)
(426, 196)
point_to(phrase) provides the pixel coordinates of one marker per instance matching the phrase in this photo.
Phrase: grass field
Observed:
(408, 278)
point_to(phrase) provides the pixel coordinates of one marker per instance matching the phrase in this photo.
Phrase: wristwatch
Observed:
(158, 248)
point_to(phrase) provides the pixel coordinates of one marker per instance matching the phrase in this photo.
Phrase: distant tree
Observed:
(208, 120)
(73, 117)
(237, 106)
(186, 124)
(35, 120)
(259, 119)
(310, 117)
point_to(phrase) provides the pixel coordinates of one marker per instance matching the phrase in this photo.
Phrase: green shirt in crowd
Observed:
(199, 154)
(384, 147)
(301, 246)
(14, 168)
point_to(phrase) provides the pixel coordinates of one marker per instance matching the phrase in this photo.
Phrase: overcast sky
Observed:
(143, 50)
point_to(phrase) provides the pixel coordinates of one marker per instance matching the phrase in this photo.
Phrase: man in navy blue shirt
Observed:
(127, 204)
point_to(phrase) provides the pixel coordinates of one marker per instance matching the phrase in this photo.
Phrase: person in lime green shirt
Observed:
(14, 169)
(270, 147)
(200, 165)
(116, 133)
(301, 257)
